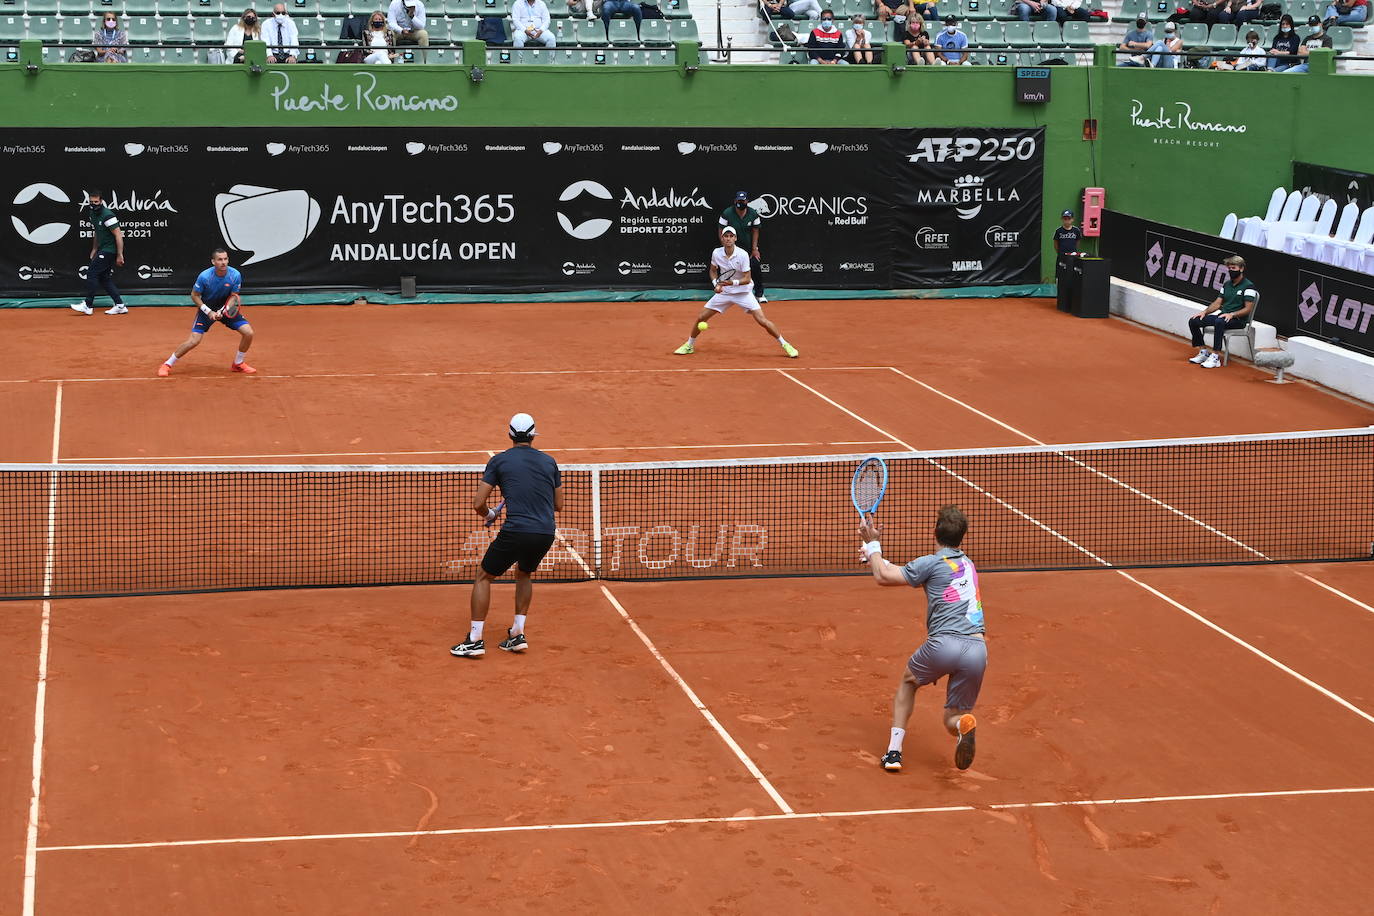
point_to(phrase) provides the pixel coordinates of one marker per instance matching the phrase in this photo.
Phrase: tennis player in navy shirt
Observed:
(533, 491)
(216, 288)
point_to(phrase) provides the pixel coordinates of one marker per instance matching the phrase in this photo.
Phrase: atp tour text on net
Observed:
(655, 547)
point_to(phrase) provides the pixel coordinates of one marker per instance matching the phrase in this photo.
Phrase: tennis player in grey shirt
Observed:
(954, 646)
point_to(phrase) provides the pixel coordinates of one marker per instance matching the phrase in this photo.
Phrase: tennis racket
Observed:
(725, 276)
(229, 310)
(868, 486)
(491, 520)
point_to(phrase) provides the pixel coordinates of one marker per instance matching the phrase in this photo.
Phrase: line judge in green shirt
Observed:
(107, 253)
(1232, 309)
(745, 219)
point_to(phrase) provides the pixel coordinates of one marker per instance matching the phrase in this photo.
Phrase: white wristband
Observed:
(870, 549)
(491, 513)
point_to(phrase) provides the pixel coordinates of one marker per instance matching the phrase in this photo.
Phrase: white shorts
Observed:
(721, 302)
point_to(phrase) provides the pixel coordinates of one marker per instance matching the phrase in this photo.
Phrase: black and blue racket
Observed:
(868, 486)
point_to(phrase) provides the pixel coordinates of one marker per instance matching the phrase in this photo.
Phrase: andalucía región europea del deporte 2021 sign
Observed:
(523, 209)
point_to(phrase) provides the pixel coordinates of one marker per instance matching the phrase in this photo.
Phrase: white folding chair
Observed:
(1248, 332)
(1275, 205)
(1274, 234)
(1330, 251)
(1253, 234)
(1228, 227)
(1289, 213)
(1351, 254)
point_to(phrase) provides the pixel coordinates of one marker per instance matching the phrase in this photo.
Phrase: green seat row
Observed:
(672, 9)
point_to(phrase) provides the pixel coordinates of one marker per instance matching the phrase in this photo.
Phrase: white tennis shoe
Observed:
(82, 308)
(1201, 357)
(118, 310)
(1212, 361)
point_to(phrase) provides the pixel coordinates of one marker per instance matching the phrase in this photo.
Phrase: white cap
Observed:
(522, 426)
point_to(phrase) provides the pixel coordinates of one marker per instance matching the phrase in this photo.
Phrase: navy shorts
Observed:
(204, 321)
(960, 658)
(515, 548)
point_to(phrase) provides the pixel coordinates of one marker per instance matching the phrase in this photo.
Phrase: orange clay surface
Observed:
(320, 752)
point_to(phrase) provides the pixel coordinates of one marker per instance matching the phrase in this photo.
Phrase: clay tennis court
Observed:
(1162, 740)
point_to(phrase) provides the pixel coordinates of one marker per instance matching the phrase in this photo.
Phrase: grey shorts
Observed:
(961, 658)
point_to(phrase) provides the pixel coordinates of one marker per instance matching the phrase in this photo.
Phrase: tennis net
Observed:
(85, 530)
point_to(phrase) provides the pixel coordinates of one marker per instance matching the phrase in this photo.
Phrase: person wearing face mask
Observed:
(1167, 53)
(1230, 310)
(111, 43)
(107, 253)
(917, 41)
(1138, 40)
(745, 220)
(379, 42)
(283, 41)
(953, 44)
(1251, 56)
(1284, 51)
(1316, 38)
(826, 44)
(859, 41)
(248, 28)
(407, 19)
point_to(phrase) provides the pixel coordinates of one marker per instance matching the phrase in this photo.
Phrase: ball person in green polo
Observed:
(1232, 309)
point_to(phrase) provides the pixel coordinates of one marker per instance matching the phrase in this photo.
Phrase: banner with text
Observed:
(523, 209)
(1297, 295)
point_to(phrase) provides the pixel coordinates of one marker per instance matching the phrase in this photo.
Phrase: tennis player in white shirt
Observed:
(733, 286)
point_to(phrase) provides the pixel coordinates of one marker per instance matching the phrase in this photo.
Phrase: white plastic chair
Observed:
(1275, 205)
(1228, 227)
(1330, 251)
(1351, 254)
(1300, 242)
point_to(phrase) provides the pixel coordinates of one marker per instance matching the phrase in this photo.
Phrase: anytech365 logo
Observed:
(265, 221)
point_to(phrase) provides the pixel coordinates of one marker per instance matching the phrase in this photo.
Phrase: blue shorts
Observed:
(204, 321)
(962, 659)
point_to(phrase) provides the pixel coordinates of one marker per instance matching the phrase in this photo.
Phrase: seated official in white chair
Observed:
(1230, 311)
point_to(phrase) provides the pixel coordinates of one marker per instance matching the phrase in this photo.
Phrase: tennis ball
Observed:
(701, 325)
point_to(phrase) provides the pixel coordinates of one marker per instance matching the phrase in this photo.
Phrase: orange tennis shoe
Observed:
(242, 367)
(963, 751)
(164, 370)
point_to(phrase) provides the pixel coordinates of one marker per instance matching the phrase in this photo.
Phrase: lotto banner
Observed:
(481, 209)
(1297, 295)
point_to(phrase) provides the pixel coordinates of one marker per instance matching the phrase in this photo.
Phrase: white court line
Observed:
(701, 707)
(458, 373)
(1125, 575)
(474, 451)
(732, 819)
(40, 694)
(1025, 435)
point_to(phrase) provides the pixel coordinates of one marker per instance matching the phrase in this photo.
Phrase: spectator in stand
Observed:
(1243, 12)
(283, 41)
(246, 29)
(826, 44)
(1251, 57)
(1167, 53)
(918, 42)
(612, 8)
(859, 41)
(407, 19)
(577, 9)
(379, 42)
(1316, 38)
(953, 44)
(1210, 11)
(1138, 40)
(1285, 45)
(927, 11)
(1072, 9)
(1044, 9)
(898, 10)
(531, 24)
(1354, 12)
(110, 42)
(797, 9)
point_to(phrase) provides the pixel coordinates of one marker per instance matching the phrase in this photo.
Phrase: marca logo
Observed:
(625, 268)
(1178, 116)
(928, 239)
(685, 267)
(967, 265)
(997, 237)
(1340, 305)
(968, 195)
(576, 268)
(1188, 266)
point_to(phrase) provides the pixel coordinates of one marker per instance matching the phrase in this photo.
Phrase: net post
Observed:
(596, 521)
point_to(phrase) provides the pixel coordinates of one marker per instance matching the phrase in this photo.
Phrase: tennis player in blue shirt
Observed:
(216, 290)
